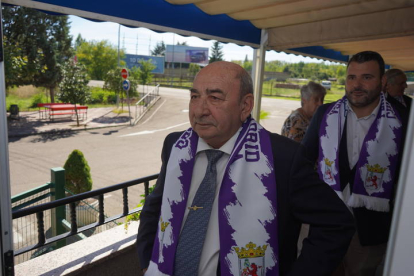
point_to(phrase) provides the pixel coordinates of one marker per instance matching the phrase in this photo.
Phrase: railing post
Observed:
(58, 214)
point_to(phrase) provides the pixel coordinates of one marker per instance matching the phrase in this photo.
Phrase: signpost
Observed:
(126, 85)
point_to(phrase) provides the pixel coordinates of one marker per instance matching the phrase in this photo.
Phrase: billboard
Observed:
(186, 54)
(132, 60)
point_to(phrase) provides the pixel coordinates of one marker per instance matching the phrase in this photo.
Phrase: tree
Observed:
(99, 57)
(193, 69)
(41, 45)
(143, 72)
(159, 49)
(77, 173)
(74, 86)
(182, 43)
(113, 82)
(216, 52)
(78, 42)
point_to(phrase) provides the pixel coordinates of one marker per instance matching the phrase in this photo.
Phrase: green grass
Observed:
(23, 103)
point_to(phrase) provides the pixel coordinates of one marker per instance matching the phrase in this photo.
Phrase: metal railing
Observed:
(147, 100)
(40, 210)
(24, 229)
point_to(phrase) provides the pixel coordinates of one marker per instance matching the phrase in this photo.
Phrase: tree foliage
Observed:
(37, 44)
(99, 57)
(193, 69)
(216, 52)
(143, 72)
(78, 41)
(74, 85)
(113, 82)
(314, 71)
(159, 49)
(77, 173)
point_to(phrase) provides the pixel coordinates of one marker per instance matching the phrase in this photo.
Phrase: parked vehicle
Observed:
(327, 85)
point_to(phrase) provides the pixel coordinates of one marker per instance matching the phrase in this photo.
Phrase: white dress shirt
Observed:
(210, 253)
(356, 130)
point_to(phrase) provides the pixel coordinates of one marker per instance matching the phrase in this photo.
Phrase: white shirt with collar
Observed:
(210, 252)
(356, 130)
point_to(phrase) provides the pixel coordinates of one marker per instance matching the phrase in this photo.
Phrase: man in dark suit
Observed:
(265, 188)
(357, 143)
(394, 83)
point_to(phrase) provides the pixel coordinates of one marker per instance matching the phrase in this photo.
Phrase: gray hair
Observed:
(246, 83)
(311, 89)
(392, 74)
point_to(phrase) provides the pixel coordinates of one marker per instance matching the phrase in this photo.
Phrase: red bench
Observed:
(43, 108)
(57, 109)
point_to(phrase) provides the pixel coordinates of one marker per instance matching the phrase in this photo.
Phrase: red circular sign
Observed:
(124, 73)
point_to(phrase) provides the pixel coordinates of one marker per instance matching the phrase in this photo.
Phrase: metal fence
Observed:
(61, 227)
(24, 228)
(67, 218)
(145, 102)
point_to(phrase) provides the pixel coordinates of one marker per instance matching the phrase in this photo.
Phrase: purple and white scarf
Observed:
(246, 205)
(376, 166)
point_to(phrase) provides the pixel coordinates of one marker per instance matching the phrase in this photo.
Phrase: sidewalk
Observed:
(30, 124)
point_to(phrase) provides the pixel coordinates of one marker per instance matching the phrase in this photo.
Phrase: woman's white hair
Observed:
(311, 89)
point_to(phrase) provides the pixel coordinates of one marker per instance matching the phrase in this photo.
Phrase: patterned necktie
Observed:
(192, 236)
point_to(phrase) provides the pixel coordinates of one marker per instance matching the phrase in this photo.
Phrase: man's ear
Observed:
(247, 104)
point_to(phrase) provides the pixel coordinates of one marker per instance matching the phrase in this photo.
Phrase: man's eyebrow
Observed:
(210, 91)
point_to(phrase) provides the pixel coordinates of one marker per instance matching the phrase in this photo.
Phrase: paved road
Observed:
(116, 154)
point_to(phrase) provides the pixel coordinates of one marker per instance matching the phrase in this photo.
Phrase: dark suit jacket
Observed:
(395, 102)
(301, 197)
(373, 227)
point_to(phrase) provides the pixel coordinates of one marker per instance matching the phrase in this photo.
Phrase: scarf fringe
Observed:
(369, 202)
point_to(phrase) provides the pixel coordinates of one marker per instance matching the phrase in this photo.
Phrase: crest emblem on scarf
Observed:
(327, 174)
(251, 259)
(373, 179)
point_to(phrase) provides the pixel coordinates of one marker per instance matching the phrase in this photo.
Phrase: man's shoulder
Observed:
(322, 109)
(173, 136)
(283, 145)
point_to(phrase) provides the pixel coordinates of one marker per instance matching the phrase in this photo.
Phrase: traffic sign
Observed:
(124, 73)
(126, 85)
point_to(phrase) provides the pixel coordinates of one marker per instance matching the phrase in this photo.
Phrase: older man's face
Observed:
(216, 112)
(397, 88)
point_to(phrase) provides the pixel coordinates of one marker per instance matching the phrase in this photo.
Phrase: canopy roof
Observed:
(325, 29)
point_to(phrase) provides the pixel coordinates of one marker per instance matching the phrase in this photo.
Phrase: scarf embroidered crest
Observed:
(246, 205)
(376, 166)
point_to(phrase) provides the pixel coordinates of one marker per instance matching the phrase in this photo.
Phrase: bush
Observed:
(101, 96)
(77, 173)
(38, 98)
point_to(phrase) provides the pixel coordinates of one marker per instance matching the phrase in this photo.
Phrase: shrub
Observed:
(99, 95)
(38, 98)
(77, 173)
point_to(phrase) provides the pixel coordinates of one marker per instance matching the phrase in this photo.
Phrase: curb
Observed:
(63, 130)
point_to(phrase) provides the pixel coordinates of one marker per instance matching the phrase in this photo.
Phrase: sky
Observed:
(141, 40)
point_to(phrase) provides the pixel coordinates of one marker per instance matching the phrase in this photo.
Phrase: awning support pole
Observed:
(257, 74)
(6, 233)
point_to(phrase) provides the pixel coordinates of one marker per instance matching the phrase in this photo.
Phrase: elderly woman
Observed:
(295, 126)
(312, 96)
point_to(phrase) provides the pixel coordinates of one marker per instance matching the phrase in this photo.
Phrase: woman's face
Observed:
(310, 106)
